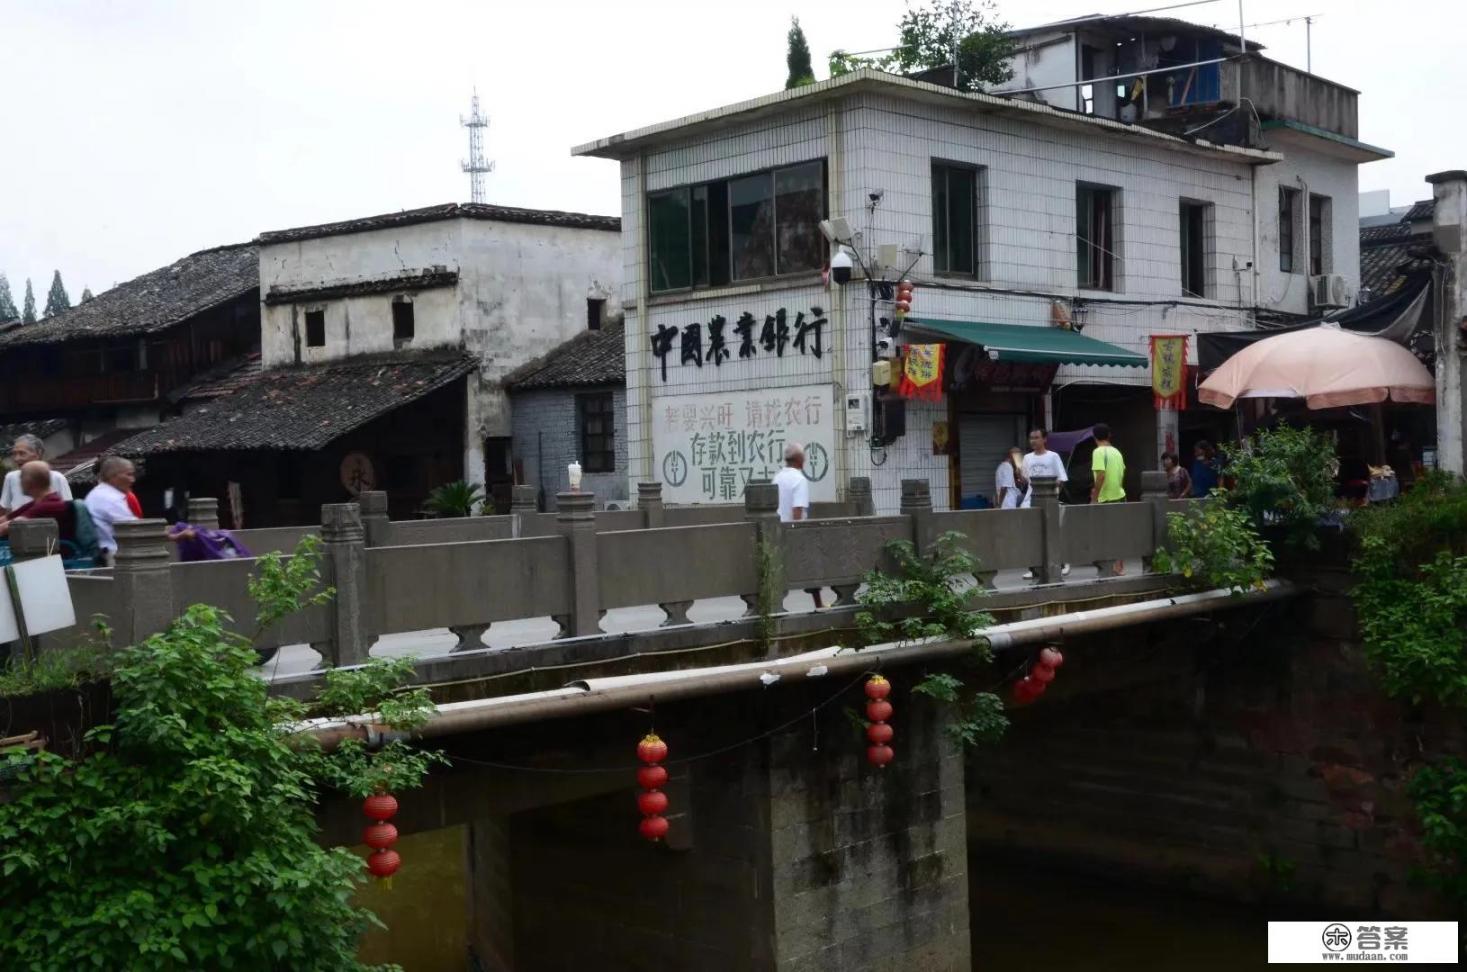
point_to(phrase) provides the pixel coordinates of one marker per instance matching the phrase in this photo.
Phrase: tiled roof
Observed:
(305, 407)
(80, 464)
(429, 214)
(407, 280)
(37, 427)
(226, 379)
(589, 358)
(1387, 233)
(153, 302)
(1420, 210)
(1380, 263)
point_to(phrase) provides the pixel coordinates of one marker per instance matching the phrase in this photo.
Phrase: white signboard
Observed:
(706, 448)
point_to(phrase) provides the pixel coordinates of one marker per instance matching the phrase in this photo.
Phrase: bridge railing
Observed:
(390, 580)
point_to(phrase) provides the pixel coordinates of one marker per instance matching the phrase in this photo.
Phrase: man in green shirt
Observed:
(1109, 469)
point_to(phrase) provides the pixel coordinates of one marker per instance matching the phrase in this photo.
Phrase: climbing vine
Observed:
(182, 836)
(930, 596)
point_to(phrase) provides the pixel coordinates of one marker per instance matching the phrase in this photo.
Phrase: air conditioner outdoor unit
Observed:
(1328, 290)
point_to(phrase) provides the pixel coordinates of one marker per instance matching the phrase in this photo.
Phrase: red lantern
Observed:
(380, 806)
(1042, 674)
(1026, 690)
(383, 863)
(879, 756)
(877, 687)
(879, 733)
(654, 827)
(1051, 657)
(651, 777)
(878, 710)
(380, 835)
(651, 749)
(651, 802)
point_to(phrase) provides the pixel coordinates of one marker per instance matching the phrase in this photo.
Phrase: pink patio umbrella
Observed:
(1325, 366)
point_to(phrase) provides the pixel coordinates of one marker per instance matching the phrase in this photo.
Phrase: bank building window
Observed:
(750, 227)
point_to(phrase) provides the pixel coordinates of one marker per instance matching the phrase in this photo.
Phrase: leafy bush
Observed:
(1284, 477)
(930, 587)
(978, 717)
(1213, 545)
(457, 498)
(1439, 791)
(184, 837)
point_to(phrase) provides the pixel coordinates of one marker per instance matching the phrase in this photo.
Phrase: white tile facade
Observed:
(1030, 170)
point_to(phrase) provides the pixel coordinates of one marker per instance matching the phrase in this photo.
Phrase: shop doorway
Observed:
(984, 438)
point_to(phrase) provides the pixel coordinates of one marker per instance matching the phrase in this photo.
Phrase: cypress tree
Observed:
(56, 300)
(28, 311)
(798, 57)
(7, 302)
(86, 294)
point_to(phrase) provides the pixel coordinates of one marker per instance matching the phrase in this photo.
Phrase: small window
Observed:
(1195, 231)
(1095, 237)
(315, 329)
(122, 357)
(402, 321)
(1288, 215)
(955, 200)
(1320, 242)
(595, 416)
(595, 313)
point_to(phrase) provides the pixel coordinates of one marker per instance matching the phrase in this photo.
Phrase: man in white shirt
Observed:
(1041, 462)
(107, 502)
(794, 496)
(27, 448)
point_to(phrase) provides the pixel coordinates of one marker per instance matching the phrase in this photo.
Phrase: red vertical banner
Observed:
(922, 372)
(1169, 371)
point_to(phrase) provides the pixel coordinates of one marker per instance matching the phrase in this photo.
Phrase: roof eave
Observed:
(1336, 144)
(629, 144)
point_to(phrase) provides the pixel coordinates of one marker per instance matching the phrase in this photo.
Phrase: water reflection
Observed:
(424, 906)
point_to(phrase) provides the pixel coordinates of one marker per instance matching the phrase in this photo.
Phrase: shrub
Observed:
(457, 498)
(1284, 477)
(1214, 545)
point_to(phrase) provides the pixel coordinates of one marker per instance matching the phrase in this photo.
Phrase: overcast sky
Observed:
(136, 132)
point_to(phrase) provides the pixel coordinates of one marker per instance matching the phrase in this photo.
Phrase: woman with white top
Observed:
(1010, 482)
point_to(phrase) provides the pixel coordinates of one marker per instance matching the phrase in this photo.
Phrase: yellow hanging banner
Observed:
(922, 372)
(1169, 370)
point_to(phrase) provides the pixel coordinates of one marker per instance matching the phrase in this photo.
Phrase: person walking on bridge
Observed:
(1041, 461)
(1109, 468)
(794, 496)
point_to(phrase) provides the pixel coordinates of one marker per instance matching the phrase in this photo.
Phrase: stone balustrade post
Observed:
(203, 511)
(143, 579)
(376, 526)
(344, 566)
(32, 539)
(859, 495)
(649, 501)
(1046, 500)
(575, 519)
(917, 504)
(522, 500)
(761, 508)
(1154, 491)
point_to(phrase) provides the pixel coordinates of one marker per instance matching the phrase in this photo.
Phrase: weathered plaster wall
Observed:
(1309, 172)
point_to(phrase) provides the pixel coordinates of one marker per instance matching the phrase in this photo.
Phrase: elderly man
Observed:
(44, 502)
(27, 448)
(107, 502)
(794, 496)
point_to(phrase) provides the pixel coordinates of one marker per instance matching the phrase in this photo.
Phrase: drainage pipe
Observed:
(620, 692)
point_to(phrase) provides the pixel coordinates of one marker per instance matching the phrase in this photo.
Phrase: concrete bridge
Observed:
(787, 850)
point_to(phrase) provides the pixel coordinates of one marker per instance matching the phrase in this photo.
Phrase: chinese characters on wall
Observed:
(707, 448)
(716, 341)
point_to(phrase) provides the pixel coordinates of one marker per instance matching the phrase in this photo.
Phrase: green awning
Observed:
(1033, 343)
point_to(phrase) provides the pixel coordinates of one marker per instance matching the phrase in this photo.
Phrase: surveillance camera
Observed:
(885, 347)
(875, 195)
(840, 267)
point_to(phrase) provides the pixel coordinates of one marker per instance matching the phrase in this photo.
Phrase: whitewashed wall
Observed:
(1309, 172)
(1041, 64)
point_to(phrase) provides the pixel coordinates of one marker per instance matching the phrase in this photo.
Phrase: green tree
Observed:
(57, 300)
(942, 32)
(28, 310)
(86, 294)
(798, 58)
(8, 311)
(183, 836)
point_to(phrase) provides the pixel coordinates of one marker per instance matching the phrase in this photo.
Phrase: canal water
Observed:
(1023, 919)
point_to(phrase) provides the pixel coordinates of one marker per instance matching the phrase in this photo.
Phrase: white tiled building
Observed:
(982, 201)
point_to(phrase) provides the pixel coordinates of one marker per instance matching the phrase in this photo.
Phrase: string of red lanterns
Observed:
(651, 777)
(878, 712)
(383, 862)
(1041, 673)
